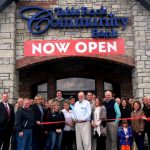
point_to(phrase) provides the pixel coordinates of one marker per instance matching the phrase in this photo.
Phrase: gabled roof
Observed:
(145, 3)
(5, 3)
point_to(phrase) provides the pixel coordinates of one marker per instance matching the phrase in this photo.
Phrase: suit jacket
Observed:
(38, 129)
(6, 122)
(37, 112)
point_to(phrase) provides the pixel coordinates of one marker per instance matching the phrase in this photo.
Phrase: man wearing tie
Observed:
(6, 122)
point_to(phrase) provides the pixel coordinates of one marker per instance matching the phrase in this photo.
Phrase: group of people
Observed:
(90, 123)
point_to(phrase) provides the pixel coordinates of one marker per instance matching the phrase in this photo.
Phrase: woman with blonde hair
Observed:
(55, 130)
(38, 131)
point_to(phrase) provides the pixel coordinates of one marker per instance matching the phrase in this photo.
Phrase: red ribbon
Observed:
(133, 118)
(57, 122)
(148, 119)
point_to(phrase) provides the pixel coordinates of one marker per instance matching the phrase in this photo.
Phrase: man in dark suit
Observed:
(6, 122)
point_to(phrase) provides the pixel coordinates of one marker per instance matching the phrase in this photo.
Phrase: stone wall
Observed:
(8, 74)
(141, 32)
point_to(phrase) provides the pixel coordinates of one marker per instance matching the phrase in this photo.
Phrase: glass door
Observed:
(71, 86)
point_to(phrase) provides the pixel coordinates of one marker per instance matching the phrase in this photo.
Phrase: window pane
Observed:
(75, 84)
(89, 86)
(42, 87)
(108, 86)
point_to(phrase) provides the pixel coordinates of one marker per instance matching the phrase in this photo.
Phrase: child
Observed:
(125, 136)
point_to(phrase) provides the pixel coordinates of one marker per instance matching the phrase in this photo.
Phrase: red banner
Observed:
(74, 47)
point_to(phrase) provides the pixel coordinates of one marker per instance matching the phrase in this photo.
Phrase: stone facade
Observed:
(13, 32)
(141, 32)
(120, 8)
(8, 73)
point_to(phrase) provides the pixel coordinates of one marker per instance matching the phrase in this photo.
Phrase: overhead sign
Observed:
(74, 47)
(59, 18)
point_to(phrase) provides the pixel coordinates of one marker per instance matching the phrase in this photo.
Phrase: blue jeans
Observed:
(24, 142)
(55, 140)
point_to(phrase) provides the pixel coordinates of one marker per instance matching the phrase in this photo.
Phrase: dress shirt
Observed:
(7, 107)
(42, 111)
(6, 104)
(92, 103)
(69, 117)
(82, 110)
(72, 106)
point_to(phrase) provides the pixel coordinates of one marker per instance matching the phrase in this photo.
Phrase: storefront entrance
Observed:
(75, 74)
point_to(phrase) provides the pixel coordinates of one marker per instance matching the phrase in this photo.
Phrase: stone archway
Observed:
(29, 61)
(34, 70)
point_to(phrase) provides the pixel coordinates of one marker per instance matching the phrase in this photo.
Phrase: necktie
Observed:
(8, 110)
(41, 110)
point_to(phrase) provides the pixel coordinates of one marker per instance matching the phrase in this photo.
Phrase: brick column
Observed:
(99, 86)
(141, 32)
(51, 87)
(8, 75)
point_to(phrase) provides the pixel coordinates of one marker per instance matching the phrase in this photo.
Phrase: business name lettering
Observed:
(95, 19)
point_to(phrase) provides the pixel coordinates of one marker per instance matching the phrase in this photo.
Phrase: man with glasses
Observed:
(82, 112)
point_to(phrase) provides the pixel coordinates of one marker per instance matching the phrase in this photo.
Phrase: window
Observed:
(108, 86)
(75, 84)
(42, 90)
(114, 87)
